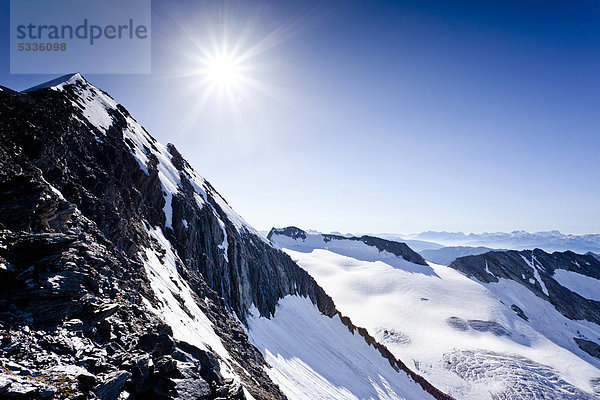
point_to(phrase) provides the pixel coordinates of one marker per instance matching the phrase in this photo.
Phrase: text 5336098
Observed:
(35, 46)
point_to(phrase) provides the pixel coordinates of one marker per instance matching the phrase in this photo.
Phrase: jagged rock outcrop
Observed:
(289, 231)
(72, 324)
(597, 256)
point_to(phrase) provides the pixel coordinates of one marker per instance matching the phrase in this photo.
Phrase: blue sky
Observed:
(382, 116)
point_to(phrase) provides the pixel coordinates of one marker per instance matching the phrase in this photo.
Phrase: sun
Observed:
(228, 65)
(223, 71)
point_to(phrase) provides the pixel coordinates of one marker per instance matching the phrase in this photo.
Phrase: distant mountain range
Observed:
(518, 240)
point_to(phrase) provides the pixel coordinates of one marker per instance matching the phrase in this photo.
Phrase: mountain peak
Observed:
(290, 231)
(58, 83)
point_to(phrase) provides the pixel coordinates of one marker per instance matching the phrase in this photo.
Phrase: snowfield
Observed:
(313, 356)
(583, 285)
(458, 333)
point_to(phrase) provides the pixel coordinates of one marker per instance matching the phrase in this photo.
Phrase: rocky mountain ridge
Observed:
(395, 248)
(553, 277)
(446, 255)
(124, 273)
(73, 263)
(549, 241)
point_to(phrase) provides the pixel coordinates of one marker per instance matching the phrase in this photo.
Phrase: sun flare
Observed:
(228, 69)
(223, 71)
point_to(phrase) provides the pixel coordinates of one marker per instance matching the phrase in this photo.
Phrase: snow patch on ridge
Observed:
(141, 146)
(312, 356)
(487, 269)
(169, 177)
(93, 102)
(247, 394)
(58, 83)
(95, 110)
(536, 273)
(224, 245)
(583, 285)
(134, 132)
(188, 321)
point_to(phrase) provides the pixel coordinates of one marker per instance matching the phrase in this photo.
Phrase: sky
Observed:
(367, 116)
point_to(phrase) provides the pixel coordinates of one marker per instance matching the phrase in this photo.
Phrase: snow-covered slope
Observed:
(178, 303)
(583, 285)
(325, 361)
(471, 339)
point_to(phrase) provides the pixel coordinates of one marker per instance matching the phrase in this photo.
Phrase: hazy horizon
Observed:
(411, 234)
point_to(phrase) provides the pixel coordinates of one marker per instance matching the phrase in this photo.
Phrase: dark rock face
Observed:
(519, 311)
(112, 386)
(70, 298)
(592, 348)
(458, 323)
(290, 231)
(534, 268)
(397, 248)
(597, 256)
